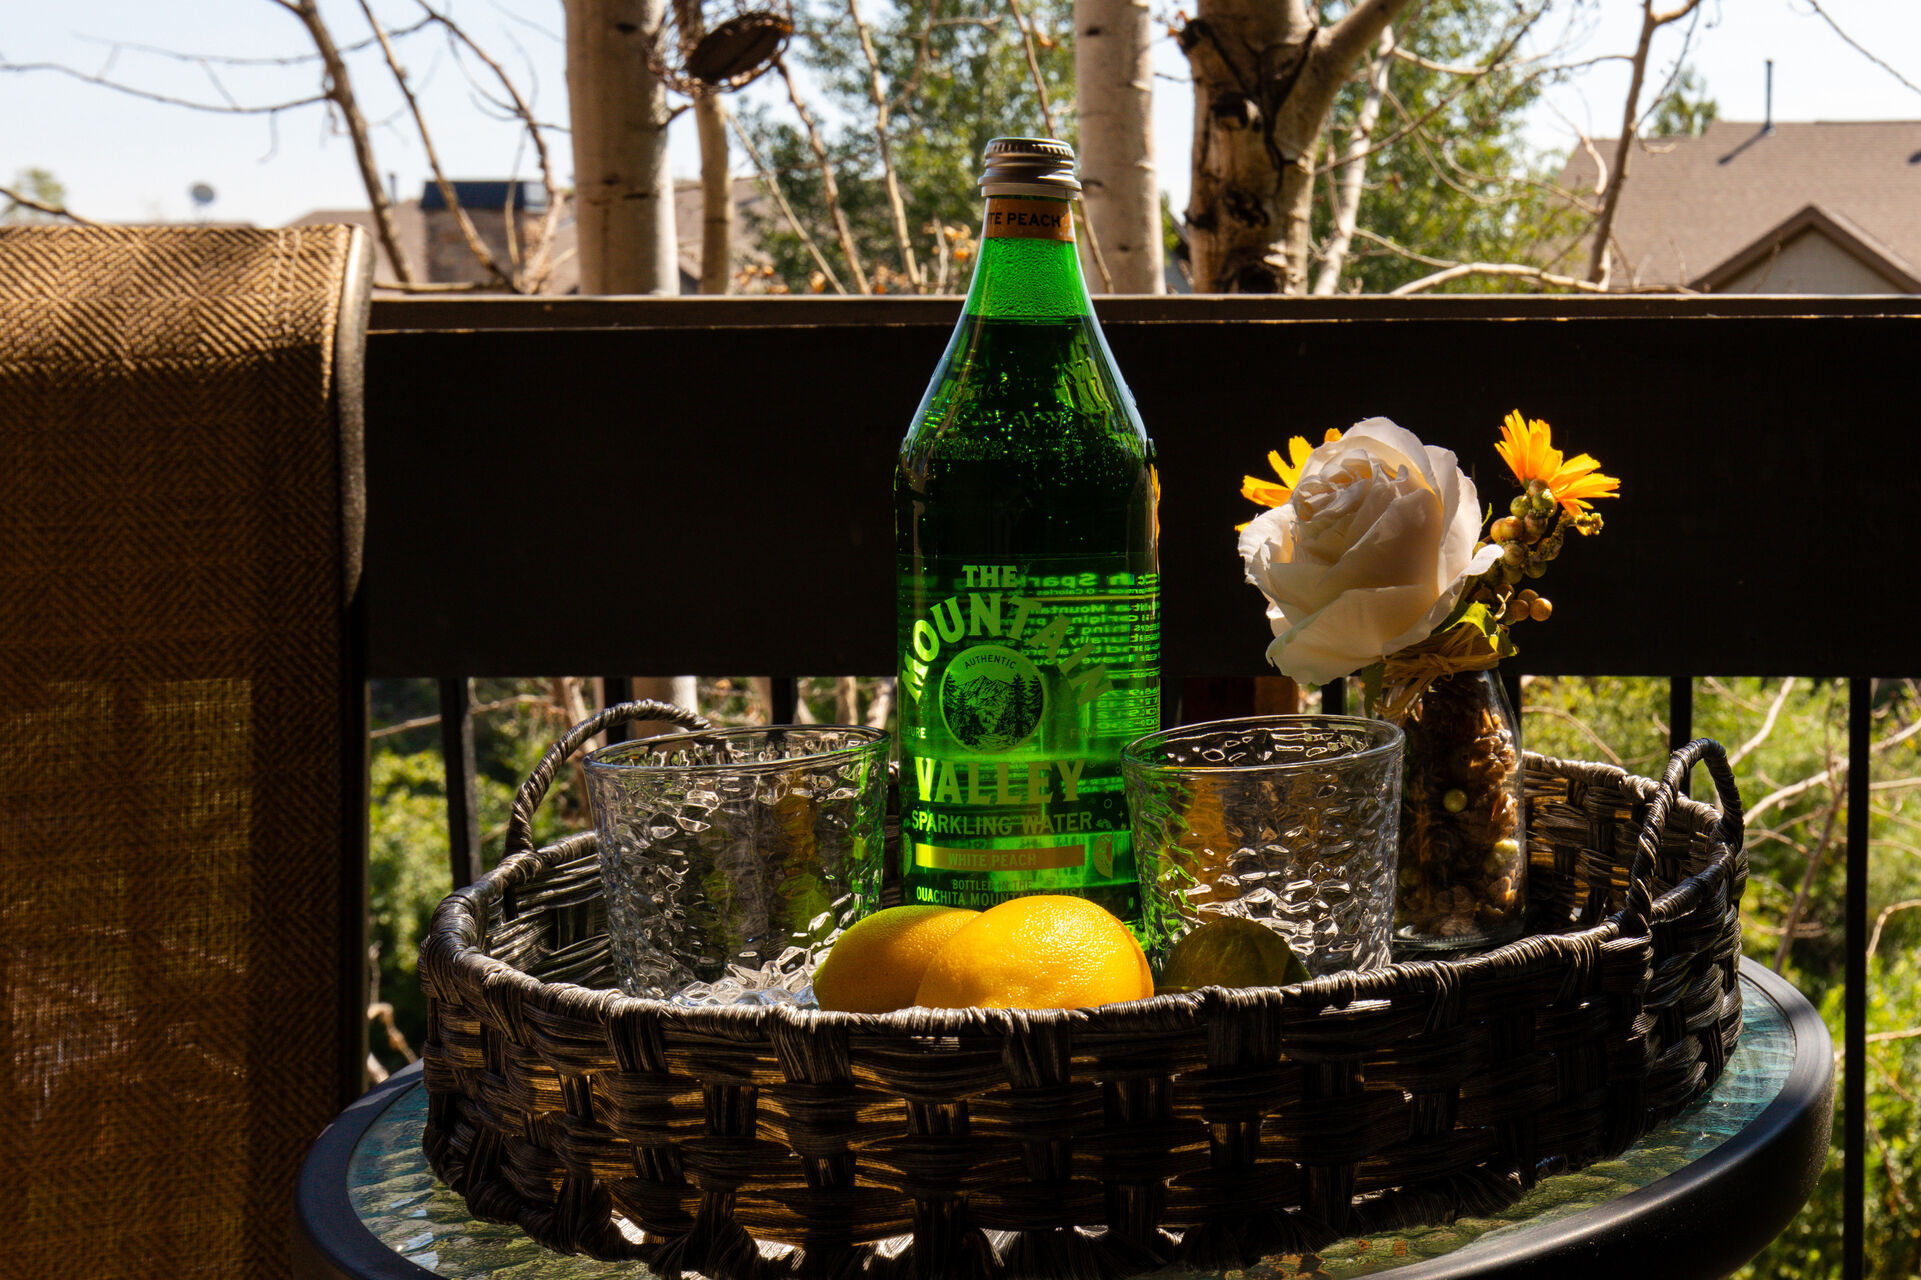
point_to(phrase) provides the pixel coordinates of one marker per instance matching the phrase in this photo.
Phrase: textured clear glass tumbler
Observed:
(1291, 821)
(732, 858)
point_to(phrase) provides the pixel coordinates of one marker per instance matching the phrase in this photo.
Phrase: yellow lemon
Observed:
(1231, 951)
(876, 966)
(1041, 952)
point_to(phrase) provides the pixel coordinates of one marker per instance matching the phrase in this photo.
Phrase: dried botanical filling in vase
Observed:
(1462, 865)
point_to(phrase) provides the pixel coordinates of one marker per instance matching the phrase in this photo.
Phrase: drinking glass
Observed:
(732, 858)
(1291, 821)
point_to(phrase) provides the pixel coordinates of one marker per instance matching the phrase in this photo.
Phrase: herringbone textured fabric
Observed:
(172, 649)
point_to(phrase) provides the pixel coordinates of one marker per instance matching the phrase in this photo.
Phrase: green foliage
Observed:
(1460, 184)
(1686, 110)
(956, 75)
(407, 878)
(409, 871)
(1792, 825)
(35, 184)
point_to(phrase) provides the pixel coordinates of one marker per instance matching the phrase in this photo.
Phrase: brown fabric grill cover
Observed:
(174, 570)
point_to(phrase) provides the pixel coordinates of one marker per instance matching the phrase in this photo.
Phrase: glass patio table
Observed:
(1698, 1196)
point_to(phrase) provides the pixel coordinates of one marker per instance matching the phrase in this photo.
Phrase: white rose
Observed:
(1368, 555)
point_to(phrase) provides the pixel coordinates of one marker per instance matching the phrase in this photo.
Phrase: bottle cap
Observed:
(1029, 167)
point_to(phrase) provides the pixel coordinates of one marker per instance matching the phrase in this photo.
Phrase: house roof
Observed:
(1692, 205)
(487, 193)
(410, 229)
(751, 207)
(1813, 219)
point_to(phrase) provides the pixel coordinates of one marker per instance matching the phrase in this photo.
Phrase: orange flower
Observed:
(1528, 450)
(1269, 494)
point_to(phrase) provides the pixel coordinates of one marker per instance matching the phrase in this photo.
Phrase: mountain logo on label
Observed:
(992, 698)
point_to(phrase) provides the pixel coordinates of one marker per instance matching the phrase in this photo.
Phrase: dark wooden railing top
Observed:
(662, 485)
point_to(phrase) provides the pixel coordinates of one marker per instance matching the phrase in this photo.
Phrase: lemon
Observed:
(1040, 952)
(876, 966)
(1231, 951)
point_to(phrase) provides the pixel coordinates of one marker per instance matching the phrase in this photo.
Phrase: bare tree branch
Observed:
(485, 708)
(1465, 269)
(923, 51)
(1882, 1037)
(1807, 881)
(1874, 938)
(830, 188)
(1497, 60)
(339, 90)
(230, 60)
(217, 108)
(1741, 752)
(1783, 794)
(1351, 169)
(475, 244)
(1858, 47)
(876, 93)
(780, 201)
(1047, 120)
(1651, 21)
(1586, 728)
(23, 201)
(1343, 43)
(539, 270)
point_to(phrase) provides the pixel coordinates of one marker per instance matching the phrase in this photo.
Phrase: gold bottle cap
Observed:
(1029, 167)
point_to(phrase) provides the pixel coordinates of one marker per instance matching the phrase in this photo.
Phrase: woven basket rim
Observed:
(457, 925)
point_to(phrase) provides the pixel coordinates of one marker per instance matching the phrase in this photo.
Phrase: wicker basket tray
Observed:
(1206, 1128)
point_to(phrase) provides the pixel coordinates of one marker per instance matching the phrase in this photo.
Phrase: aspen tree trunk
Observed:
(1265, 78)
(625, 210)
(716, 197)
(1114, 74)
(1351, 173)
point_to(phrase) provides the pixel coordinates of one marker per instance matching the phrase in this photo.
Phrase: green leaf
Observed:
(1483, 620)
(1371, 676)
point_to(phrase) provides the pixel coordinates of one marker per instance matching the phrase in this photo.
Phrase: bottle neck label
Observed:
(1015, 218)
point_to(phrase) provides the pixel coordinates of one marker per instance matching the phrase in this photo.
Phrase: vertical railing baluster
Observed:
(1680, 711)
(1681, 720)
(1334, 698)
(457, 750)
(1854, 1083)
(785, 698)
(615, 690)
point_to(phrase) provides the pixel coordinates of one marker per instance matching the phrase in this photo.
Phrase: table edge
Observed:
(327, 1239)
(1746, 1202)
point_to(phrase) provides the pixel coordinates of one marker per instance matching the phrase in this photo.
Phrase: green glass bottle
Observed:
(1027, 542)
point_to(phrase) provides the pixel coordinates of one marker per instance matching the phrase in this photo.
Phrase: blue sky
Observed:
(125, 159)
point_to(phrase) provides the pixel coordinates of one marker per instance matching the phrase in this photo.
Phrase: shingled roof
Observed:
(1691, 205)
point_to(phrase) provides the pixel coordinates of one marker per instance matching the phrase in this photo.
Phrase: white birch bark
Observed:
(716, 197)
(1351, 174)
(1265, 77)
(625, 194)
(1114, 75)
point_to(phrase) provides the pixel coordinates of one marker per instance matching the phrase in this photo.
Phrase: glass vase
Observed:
(1462, 879)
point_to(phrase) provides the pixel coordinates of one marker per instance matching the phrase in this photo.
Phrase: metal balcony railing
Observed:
(665, 486)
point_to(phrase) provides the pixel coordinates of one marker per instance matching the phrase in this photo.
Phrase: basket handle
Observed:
(520, 823)
(1730, 829)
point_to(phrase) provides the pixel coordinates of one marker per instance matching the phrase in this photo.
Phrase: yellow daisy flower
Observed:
(1528, 450)
(1269, 494)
